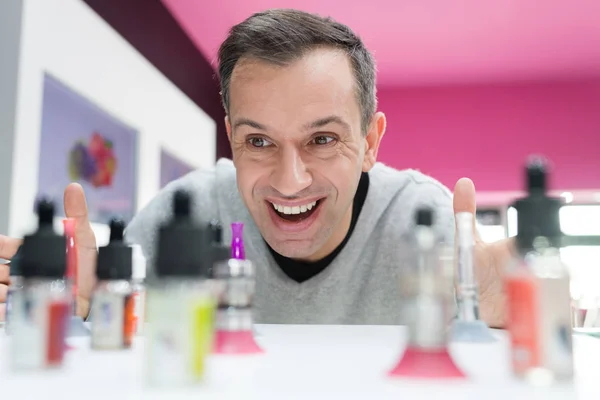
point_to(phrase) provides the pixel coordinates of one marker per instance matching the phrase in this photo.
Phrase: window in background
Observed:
(490, 224)
(581, 220)
(583, 262)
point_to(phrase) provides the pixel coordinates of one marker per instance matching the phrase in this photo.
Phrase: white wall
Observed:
(10, 35)
(66, 39)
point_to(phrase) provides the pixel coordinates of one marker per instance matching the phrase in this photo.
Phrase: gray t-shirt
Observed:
(360, 286)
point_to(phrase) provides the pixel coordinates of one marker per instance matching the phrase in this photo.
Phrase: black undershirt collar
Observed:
(301, 271)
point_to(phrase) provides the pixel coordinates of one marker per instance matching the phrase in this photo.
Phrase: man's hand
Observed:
(490, 260)
(76, 208)
(8, 248)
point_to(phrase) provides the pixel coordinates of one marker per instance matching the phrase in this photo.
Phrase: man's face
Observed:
(296, 139)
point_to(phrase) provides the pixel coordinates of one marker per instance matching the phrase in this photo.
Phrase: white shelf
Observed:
(314, 362)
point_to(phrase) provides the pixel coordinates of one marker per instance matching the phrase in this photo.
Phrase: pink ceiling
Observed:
(438, 41)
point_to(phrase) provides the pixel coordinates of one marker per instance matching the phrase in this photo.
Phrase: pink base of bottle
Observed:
(426, 364)
(236, 342)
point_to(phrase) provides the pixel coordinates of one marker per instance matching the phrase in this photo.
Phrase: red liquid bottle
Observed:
(40, 310)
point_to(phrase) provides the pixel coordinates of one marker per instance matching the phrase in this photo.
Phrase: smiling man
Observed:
(325, 223)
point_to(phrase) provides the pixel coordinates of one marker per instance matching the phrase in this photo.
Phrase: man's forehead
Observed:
(302, 90)
(318, 61)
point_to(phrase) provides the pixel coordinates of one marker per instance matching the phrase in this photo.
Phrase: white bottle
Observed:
(139, 288)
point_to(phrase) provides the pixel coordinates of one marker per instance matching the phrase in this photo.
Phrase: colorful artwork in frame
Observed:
(82, 143)
(172, 168)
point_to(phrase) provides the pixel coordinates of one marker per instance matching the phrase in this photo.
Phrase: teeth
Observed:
(294, 210)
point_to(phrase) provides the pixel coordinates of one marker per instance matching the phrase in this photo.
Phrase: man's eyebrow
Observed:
(248, 122)
(321, 122)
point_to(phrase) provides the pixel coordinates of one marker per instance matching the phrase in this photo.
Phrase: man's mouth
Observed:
(296, 213)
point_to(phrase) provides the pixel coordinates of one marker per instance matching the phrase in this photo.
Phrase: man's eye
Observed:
(258, 142)
(322, 140)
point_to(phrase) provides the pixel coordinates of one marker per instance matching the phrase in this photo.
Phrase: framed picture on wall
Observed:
(82, 143)
(171, 168)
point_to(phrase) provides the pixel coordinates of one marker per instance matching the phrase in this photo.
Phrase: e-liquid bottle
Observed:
(16, 284)
(139, 288)
(113, 324)
(40, 310)
(234, 278)
(180, 305)
(467, 327)
(538, 288)
(426, 289)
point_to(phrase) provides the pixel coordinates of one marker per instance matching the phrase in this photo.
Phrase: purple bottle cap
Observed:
(237, 241)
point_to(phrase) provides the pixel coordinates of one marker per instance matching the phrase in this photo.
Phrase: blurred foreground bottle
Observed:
(427, 299)
(538, 287)
(180, 303)
(41, 308)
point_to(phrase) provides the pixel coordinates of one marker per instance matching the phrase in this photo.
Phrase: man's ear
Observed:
(373, 139)
(228, 128)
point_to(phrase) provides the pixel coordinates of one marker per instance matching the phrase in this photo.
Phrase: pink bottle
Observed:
(235, 279)
(426, 288)
(72, 274)
(76, 326)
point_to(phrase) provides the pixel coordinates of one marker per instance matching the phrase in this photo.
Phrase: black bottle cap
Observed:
(219, 251)
(44, 252)
(537, 213)
(15, 263)
(115, 259)
(181, 242)
(424, 216)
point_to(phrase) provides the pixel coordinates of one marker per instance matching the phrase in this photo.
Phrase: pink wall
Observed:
(486, 132)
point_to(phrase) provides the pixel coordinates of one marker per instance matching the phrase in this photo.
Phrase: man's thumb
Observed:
(464, 198)
(75, 204)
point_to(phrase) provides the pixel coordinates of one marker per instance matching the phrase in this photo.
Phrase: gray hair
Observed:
(280, 36)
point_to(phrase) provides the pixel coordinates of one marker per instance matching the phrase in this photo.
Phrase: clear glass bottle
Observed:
(427, 303)
(426, 288)
(235, 283)
(113, 322)
(467, 327)
(113, 325)
(235, 290)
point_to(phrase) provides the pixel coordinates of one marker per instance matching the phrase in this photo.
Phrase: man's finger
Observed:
(8, 247)
(3, 291)
(465, 200)
(4, 274)
(75, 204)
(2, 312)
(76, 208)
(464, 196)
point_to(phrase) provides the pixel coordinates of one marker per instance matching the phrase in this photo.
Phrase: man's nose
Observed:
(291, 175)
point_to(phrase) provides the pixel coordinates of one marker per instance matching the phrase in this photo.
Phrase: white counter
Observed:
(313, 362)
